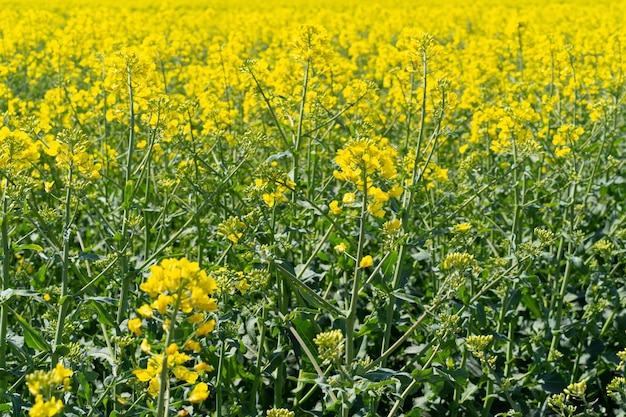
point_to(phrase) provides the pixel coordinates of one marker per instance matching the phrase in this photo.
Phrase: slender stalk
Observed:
(126, 198)
(350, 320)
(162, 407)
(406, 204)
(5, 285)
(515, 238)
(298, 139)
(268, 103)
(218, 383)
(413, 383)
(64, 299)
(556, 332)
(259, 360)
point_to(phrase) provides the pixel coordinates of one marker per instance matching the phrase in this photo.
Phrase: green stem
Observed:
(260, 352)
(126, 198)
(298, 140)
(64, 299)
(407, 203)
(5, 285)
(218, 383)
(556, 332)
(162, 407)
(269, 105)
(413, 383)
(350, 320)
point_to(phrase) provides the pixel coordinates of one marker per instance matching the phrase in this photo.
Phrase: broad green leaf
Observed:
(32, 337)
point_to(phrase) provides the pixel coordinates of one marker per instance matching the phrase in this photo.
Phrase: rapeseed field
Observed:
(312, 208)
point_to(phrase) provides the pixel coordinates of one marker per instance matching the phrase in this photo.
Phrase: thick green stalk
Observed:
(259, 360)
(298, 139)
(5, 285)
(128, 192)
(162, 406)
(519, 197)
(218, 383)
(407, 203)
(351, 318)
(556, 331)
(64, 298)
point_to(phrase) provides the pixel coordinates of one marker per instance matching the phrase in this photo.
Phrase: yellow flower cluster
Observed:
(362, 161)
(175, 364)
(17, 150)
(178, 286)
(42, 384)
(330, 345)
(180, 283)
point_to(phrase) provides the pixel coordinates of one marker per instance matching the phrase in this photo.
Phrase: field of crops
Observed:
(312, 208)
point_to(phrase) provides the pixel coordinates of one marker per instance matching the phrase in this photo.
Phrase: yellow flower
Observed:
(192, 345)
(366, 261)
(134, 325)
(60, 373)
(396, 191)
(243, 286)
(203, 367)
(334, 207)
(199, 393)
(205, 328)
(462, 228)
(45, 409)
(185, 374)
(348, 198)
(195, 318)
(562, 151)
(145, 311)
(48, 185)
(145, 346)
(341, 248)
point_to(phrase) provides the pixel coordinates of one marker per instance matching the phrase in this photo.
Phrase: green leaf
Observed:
(30, 246)
(32, 337)
(5, 295)
(468, 393)
(40, 275)
(305, 291)
(86, 387)
(382, 374)
(88, 256)
(531, 304)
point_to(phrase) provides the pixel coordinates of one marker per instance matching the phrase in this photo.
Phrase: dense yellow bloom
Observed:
(175, 364)
(43, 408)
(17, 150)
(365, 157)
(42, 383)
(183, 282)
